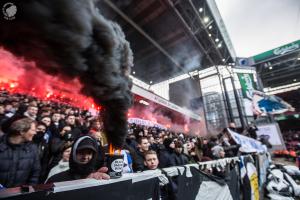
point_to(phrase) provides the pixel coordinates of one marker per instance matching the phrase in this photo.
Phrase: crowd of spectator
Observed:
(44, 141)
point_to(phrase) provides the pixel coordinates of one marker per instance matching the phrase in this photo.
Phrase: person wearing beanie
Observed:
(167, 156)
(82, 163)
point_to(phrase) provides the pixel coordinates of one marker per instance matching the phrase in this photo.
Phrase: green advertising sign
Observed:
(248, 85)
(278, 51)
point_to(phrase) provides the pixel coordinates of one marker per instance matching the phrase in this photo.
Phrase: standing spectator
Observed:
(70, 121)
(167, 155)
(82, 162)
(55, 124)
(31, 111)
(2, 113)
(20, 162)
(63, 164)
(138, 161)
(218, 152)
(47, 121)
(43, 149)
(57, 145)
(252, 131)
(151, 160)
(232, 126)
(180, 157)
(96, 129)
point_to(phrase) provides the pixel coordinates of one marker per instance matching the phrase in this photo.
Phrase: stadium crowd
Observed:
(44, 141)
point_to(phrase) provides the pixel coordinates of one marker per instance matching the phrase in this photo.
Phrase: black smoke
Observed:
(70, 38)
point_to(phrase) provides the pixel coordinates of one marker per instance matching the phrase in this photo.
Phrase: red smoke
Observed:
(20, 76)
(170, 119)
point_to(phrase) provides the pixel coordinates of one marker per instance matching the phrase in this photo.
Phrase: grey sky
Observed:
(256, 26)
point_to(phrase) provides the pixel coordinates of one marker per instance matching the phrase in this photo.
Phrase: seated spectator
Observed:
(151, 160)
(82, 162)
(20, 163)
(63, 164)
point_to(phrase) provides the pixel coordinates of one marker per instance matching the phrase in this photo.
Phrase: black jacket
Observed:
(138, 162)
(77, 170)
(20, 164)
(167, 158)
(181, 159)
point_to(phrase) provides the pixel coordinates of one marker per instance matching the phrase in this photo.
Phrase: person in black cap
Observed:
(82, 162)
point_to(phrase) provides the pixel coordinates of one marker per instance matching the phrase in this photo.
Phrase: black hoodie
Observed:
(78, 170)
(167, 156)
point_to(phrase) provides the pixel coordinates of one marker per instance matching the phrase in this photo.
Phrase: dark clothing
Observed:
(43, 151)
(231, 149)
(2, 118)
(64, 176)
(54, 128)
(252, 132)
(76, 132)
(138, 162)
(181, 159)
(56, 147)
(8, 121)
(206, 151)
(20, 164)
(78, 170)
(167, 158)
(132, 143)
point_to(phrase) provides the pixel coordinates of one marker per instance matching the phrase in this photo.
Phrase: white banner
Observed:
(145, 123)
(248, 145)
(273, 134)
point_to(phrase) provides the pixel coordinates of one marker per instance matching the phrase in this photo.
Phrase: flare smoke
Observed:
(70, 38)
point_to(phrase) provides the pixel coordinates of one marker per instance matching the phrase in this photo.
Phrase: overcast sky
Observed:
(256, 26)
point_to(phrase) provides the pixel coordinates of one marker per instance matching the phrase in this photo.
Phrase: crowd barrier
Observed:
(245, 173)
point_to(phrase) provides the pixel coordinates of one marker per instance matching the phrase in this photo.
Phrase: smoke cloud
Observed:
(72, 39)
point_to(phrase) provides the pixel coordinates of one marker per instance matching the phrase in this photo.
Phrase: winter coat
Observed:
(56, 147)
(167, 158)
(77, 170)
(20, 164)
(138, 161)
(61, 167)
(181, 159)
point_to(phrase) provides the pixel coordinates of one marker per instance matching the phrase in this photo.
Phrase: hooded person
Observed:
(167, 156)
(82, 163)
